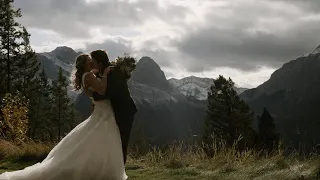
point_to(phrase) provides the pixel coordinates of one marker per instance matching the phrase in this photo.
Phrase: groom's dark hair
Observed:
(101, 57)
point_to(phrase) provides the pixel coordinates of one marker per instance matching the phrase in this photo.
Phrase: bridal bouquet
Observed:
(126, 64)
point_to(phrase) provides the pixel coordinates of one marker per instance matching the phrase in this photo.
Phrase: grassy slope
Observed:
(178, 164)
(262, 169)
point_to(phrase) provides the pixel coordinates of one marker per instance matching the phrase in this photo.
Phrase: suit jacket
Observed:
(119, 95)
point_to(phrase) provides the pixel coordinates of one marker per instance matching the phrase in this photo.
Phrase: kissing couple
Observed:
(96, 149)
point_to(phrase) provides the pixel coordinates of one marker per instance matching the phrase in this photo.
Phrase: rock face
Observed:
(149, 72)
(65, 54)
(196, 87)
(292, 95)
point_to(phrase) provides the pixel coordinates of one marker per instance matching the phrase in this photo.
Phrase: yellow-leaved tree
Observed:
(14, 123)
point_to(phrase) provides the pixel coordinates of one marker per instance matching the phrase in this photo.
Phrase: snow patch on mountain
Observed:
(63, 57)
(196, 87)
(193, 86)
(68, 67)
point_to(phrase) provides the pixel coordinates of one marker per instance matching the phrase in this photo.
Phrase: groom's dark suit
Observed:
(122, 103)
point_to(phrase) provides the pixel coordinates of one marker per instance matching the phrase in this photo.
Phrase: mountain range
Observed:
(161, 106)
(292, 95)
(174, 109)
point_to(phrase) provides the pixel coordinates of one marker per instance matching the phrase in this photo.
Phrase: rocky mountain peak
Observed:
(149, 72)
(146, 63)
(63, 49)
(316, 51)
(65, 54)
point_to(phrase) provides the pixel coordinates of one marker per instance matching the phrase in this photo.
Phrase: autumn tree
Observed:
(14, 124)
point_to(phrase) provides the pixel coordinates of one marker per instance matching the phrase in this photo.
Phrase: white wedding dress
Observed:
(91, 151)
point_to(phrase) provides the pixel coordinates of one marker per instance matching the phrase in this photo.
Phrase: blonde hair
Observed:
(80, 68)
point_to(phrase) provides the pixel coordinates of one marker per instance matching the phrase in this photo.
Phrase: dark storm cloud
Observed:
(238, 42)
(74, 17)
(244, 34)
(234, 48)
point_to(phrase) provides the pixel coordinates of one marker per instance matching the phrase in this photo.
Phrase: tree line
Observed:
(31, 106)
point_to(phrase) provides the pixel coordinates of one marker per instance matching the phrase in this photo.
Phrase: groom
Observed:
(119, 95)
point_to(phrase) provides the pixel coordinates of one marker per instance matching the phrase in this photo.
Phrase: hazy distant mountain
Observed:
(63, 57)
(292, 95)
(196, 87)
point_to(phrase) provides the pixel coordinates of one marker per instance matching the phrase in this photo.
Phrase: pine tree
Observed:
(17, 58)
(60, 102)
(228, 118)
(27, 67)
(40, 111)
(10, 42)
(72, 116)
(268, 137)
(2, 76)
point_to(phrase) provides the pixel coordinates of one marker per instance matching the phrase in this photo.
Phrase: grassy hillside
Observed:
(177, 163)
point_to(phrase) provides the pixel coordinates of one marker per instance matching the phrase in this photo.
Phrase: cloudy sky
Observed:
(244, 39)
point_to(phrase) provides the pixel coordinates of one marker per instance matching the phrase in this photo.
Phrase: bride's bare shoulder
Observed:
(91, 75)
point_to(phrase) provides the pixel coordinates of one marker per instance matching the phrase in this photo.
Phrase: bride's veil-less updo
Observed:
(80, 70)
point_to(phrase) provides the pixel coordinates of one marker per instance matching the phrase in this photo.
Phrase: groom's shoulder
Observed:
(112, 75)
(115, 72)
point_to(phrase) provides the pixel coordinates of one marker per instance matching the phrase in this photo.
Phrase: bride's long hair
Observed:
(80, 70)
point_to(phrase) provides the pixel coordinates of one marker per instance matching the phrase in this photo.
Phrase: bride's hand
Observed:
(107, 70)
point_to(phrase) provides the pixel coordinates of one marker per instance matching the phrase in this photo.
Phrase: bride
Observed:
(92, 150)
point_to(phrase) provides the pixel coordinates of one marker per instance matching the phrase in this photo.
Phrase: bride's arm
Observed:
(98, 86)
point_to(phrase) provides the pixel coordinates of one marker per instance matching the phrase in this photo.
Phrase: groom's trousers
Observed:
(125, 126)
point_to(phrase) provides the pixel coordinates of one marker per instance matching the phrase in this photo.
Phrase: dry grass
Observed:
(192, 163)
(179, 162)
(30, 151)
